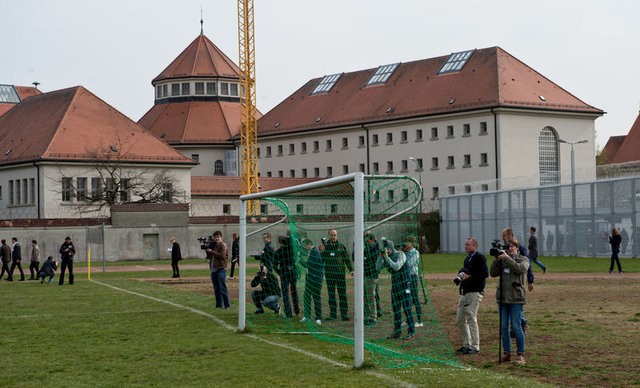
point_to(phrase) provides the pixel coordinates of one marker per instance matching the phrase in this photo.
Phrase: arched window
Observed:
(548, 157)
(218, 168)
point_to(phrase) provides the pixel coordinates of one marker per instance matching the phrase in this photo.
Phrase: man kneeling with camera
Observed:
(471, 280)
(270, 292)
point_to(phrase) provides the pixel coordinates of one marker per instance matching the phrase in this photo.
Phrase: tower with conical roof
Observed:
(197, 107)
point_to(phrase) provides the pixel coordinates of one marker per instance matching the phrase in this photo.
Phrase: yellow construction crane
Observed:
(248, 125)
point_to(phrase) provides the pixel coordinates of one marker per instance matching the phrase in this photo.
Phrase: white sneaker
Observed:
(304, 319)
(419, 324)
(318, 322)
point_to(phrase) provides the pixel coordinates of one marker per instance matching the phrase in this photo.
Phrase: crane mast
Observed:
(248, 125)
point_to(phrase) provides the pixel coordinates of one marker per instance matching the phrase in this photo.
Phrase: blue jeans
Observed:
(539, 263)
(511, 315)
(260, 299)
(218, 279)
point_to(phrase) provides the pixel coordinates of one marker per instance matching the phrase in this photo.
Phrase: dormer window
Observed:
(234, 89)
(224, 88)
(211, 88)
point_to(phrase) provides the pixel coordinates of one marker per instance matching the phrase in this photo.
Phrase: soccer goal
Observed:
(315, 267)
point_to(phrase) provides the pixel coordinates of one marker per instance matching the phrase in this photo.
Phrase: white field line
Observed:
(388, 379)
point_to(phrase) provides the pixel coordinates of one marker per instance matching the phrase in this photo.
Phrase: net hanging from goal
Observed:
(303, 277)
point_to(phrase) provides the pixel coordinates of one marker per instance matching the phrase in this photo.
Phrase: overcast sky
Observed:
(115, 48)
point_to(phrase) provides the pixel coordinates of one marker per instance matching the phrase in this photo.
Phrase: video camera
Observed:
(205, 241)
(497, 247)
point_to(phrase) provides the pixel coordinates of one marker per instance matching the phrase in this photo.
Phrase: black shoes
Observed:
(394, 335)
(259, 311)
(465, 350)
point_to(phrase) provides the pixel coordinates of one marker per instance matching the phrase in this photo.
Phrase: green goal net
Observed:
(338, 259)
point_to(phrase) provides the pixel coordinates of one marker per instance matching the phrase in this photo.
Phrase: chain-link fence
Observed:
(571, 220)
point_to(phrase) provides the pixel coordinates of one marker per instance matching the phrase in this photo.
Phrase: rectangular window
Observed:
(434, 193)
(449, 131)
(110, 190)
(376, 196)
(334, 208)
(96, 189)
(361, 169)
(304, 172)
(0, 193)
(264, 208)
(403, 136)
(374, 139)
(234, 89)
(316, 172)
(405, 194)
(434, 133)
(292, 173)
(345, 169)
(199, 87)
(484, 187)
(224, 88)
(165, 91)
(226, 208)
(186, 90)
(467, 188)
(316, 146)
(268, 174)
(390, 195)
(292, 149)
(452, 190)
(196, 157)
(81, 189)
(376, 168)
(405, 165)
(389, 138)
(360, 141)
(299, 208)
(159, 91)
(280, 174)
(418, 134)
(328, 144)
(419, 164)
(66, 190)
(268, 151)
(434, 163)
(451, 162)
(11, 198)
(303, 147)
(483, 128)
(175, 89)
(484, 160)
(329, 171)
(466, 130)
(467, 160)
(389, 167)
(279, 149)
(211, 88)
(124, 190)
(345, 143)
(25, 191)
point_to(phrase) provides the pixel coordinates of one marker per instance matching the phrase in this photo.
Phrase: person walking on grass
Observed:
(176, 256)
(533, 249)
(511, 295)
(67, 252)
(16, 259)
(615, 240)
(5, 256)
(34, 266)
(235, 254)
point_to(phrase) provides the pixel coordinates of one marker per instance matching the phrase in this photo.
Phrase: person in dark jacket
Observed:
(472, 279)
(67, 252)
(5, 256)
(286, 269)
(371, 302)
(335, 257)
(394, 261)
(48, 269)
(533, 249)
(615, 240)
(266, 256)
(235, 254)
(218, 266)
(176, 256)
(269, 294)
(313, 282)
(16, 259)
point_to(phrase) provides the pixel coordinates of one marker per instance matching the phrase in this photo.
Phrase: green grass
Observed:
(93, 335)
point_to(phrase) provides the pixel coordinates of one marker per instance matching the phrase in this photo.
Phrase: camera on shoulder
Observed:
(205, 241)
(497, 247)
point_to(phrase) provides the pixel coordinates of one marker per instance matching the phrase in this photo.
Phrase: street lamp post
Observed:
(419, 168)
(574, 241)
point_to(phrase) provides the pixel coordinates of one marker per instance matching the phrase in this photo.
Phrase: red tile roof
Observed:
(629, 150)
(612, 147)
(193, 122)
(73, 124)
(490, 78)
(232, 185)
(200, 58)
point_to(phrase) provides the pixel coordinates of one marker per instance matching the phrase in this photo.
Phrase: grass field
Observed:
(125, 328)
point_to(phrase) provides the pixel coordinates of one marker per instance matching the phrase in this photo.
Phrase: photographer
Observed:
(218, 267)
(511, 295)
(286, 268)
(400, 288)
(471, 281)
(266, 256)
(270, 292)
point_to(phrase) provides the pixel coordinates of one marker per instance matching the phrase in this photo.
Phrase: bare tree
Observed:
(115, 176)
